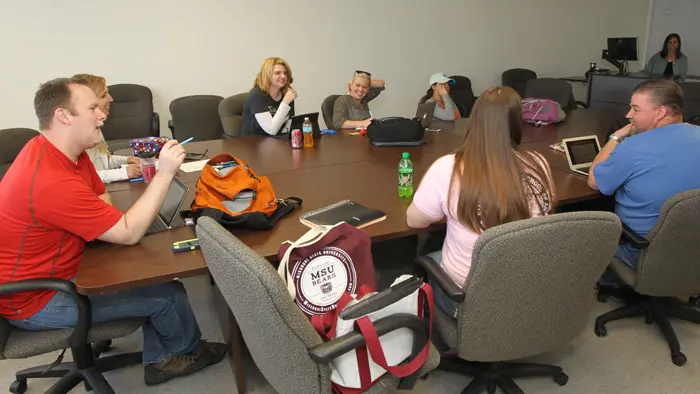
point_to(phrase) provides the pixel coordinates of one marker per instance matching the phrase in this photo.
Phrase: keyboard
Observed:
(157, 226)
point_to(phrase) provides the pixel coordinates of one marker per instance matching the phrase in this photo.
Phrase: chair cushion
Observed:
(446, 327)
(115, 145)
(627, 274)
(23, 344)
(388, 383)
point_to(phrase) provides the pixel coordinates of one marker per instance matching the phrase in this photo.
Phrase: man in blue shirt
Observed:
(649, 160)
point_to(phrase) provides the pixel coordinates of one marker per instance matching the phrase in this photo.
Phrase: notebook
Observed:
(343, 211)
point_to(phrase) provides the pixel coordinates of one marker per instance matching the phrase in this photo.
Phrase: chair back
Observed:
(327, 110)
(517, 78)
(196, 116)
(11, 143)
(691, 101)
(552, 89)
(275, 330)
(462, 95)
(231, 114)
(131, 113)
(531, 285)
(670, 265)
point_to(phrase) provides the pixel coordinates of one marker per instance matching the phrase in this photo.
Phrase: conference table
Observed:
(340, 166)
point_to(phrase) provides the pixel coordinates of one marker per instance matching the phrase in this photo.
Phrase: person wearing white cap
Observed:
(439, 92)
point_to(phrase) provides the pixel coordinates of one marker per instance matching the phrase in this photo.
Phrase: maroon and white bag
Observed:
(325, 263)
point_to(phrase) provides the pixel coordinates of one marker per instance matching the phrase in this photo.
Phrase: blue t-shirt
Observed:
(647, 168)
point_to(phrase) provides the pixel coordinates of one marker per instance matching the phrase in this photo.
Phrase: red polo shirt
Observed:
(49, 208)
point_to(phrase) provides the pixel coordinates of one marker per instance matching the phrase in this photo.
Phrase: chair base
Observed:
(488, 376)
(654, 309)
(71, 375)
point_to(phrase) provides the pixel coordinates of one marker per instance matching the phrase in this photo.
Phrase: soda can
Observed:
(297, 139)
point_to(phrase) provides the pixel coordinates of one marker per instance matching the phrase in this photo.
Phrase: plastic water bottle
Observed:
(308, 130)
(405, 176)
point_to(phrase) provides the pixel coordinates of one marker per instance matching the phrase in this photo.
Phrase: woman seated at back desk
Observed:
(488, 181)
(670, 61)
(352, 109)
(439, 92)
(270, 103)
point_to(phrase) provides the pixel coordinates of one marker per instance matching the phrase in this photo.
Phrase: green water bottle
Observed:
(405, 176)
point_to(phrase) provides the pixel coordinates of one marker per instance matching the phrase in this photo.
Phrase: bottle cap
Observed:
(306, 118)
(405, 155)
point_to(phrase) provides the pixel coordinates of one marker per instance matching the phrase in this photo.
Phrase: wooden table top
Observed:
(339, 167)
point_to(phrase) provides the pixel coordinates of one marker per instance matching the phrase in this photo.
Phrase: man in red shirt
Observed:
(51, 203)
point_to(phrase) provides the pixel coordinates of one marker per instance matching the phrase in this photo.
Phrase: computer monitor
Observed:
(622, 48)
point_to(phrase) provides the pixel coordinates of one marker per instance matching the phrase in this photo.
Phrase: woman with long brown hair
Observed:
(488, 181)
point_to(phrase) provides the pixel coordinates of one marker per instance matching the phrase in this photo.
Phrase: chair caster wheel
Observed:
(601, 297)
(18, 386)
(562, 379)
(678, 359)
(600, 330)
(491, 388)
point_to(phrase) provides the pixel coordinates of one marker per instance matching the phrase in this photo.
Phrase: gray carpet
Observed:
(632, 359)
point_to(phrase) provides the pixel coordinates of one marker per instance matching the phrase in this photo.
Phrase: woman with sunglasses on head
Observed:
(439, 92)
(270, 104)
(109, 167)
(488, 181)
(352, 109)
(669, 61)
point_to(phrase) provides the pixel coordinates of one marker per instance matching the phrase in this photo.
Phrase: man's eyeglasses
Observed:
(196, 156)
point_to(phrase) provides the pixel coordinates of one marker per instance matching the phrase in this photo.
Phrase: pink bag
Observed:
(542, 112)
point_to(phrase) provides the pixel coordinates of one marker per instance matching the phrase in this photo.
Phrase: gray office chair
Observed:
(668, 266)
(530, 290)
(11, 143)
(517, 78)
(553, 89)
(290, 354)
(130, 116)
(691, 101)
(85, 367)
(196, 116)
(231, 114)
(327, 110)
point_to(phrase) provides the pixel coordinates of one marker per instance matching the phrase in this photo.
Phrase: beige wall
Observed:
(179, 47)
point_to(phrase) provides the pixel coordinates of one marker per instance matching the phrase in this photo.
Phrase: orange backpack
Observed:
(230, 192)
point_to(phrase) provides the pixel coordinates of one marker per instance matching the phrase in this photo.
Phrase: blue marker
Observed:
(136, 179)
(186, 141)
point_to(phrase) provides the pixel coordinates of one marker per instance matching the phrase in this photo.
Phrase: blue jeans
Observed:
(171, 328)
(626, 253)
(441, 299)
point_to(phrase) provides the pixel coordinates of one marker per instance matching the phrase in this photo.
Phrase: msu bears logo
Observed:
(322, 278)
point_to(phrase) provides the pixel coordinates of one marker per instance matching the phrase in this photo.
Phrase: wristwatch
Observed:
(615, 138)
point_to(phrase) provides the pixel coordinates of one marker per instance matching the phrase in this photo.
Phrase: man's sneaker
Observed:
(177, 366)
(216, 349)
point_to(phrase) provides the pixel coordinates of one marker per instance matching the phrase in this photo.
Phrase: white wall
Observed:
(677, 16)
(179, 47)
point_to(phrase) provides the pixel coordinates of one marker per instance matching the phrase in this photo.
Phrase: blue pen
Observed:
(186, 141)
(136, 179)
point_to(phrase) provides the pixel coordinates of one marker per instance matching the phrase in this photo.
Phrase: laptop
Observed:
(580, 152)
(298, 121)
(169, 213)
(424, 112)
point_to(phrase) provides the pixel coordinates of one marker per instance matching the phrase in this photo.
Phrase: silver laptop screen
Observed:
(582, 151)
(173, 200)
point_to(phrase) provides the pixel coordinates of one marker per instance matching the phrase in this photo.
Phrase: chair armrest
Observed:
(171, 127)
(329, 351)
(629, 236)
(80, 332)
(155, 125)
(582, 104)
(430, 267)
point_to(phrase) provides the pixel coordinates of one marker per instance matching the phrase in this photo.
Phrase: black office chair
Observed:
(327, 110)
(517, 78)
(462, 95)
(11, 143)
(196, 116)
(131, 116)
(691, 99)
(554, 89)
(85, 367)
